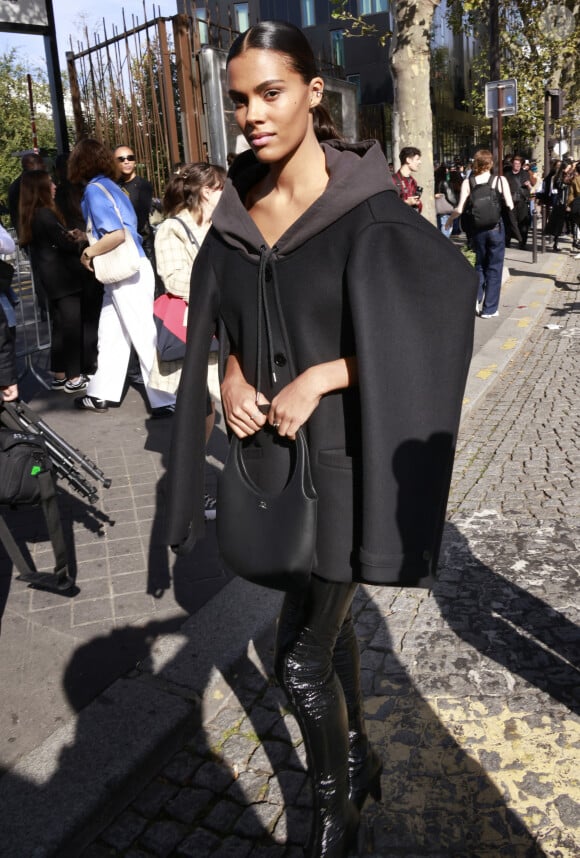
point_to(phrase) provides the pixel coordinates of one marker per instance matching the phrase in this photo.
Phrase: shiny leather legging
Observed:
(317, 664)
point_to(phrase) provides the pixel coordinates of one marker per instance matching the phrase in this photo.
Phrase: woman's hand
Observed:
(292, 407)
(9, 393)
(241, 410)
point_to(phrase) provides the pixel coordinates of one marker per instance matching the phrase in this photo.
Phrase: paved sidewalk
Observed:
(471, 693)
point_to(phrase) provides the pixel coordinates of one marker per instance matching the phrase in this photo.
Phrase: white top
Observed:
(7, 244)
(482, 179)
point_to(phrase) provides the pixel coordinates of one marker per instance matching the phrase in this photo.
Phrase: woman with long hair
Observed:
(127, 312)
(54, 255)
(311, 276)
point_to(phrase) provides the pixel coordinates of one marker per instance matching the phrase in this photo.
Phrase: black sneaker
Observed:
(163, 411)
(91, 403)
(58, 383)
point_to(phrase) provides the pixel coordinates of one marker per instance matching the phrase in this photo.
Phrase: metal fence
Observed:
(142, 87)
(28, 311)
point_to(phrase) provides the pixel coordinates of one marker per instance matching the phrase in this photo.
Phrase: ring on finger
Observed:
(276, 425)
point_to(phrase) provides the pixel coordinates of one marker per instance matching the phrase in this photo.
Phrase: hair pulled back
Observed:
(290, 41)
(184, 189)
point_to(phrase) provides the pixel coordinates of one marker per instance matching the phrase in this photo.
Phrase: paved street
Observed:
(471, 692)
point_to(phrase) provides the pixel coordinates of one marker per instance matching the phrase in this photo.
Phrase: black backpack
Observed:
(484, 205)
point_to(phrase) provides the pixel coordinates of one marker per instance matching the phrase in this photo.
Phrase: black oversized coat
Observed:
(360, 273)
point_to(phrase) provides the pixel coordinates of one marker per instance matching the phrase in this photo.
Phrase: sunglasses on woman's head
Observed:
(125, 157)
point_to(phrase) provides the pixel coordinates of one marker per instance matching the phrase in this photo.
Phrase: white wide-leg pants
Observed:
(127, 317)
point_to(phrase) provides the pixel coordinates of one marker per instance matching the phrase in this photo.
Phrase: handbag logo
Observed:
(262, 504)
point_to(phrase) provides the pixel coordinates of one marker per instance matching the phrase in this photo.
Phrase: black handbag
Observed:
(268, 539)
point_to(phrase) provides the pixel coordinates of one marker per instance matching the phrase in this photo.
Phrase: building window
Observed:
(372, 7)
(337, 47)
(202, 27)
(242, 16)
(307, 12)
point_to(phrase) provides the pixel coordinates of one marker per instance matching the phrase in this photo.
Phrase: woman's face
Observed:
(272, 103)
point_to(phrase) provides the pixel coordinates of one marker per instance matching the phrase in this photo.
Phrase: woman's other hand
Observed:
(241, 410)
(9, 393)
(292, 407)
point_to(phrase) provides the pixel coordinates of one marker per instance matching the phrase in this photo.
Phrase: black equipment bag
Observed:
(23, 457)
(27, 479)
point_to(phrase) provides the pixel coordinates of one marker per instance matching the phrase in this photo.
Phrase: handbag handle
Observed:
(301, 472)
(188, 232)
(115, 206)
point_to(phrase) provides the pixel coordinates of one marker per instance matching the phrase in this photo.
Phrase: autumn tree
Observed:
(410, 62)
(538, 46)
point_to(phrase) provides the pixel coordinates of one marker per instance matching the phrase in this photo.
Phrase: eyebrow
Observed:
(260, 88)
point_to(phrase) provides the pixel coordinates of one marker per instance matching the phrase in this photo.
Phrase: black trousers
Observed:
(75, 320)
(317, 664)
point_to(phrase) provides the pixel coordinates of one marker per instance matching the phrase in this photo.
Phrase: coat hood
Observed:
(357, 171)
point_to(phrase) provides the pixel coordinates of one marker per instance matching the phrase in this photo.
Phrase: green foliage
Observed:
(15, 128)
(538, 47)
(357, 25)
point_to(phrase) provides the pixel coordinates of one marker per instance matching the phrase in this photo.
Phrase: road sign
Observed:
(501, 98)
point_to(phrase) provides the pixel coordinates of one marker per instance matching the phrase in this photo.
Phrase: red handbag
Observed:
(170, 315)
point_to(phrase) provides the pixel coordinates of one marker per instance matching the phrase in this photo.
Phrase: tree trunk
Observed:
(410, 66)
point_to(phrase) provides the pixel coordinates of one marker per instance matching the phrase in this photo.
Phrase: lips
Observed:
(260, 139)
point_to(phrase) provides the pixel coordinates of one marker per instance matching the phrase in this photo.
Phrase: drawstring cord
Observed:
(263, 310)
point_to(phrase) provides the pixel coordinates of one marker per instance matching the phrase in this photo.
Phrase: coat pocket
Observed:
(337, 482)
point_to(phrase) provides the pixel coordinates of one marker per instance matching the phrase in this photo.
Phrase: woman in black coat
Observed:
(365, 316)
(72, 291)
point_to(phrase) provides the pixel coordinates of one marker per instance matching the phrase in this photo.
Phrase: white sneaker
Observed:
(489, 315)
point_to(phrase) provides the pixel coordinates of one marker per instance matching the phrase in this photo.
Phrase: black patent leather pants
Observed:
(317, 664)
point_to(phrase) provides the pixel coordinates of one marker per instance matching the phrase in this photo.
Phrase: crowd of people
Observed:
(512, 198)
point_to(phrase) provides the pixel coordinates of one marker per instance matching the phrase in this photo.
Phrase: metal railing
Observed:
(29, 312)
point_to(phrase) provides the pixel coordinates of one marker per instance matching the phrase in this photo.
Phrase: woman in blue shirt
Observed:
(127, 314)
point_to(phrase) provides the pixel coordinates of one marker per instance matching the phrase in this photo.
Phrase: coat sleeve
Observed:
(186, 471)
(412, 298)
(7, 363)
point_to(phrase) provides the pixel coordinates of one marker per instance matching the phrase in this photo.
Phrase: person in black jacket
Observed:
(520, 187)
(311, 276)
(55, 254)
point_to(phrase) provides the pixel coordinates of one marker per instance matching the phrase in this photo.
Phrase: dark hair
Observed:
(35, 193)
(440, 174)
(32, 161)
(90, 158)
(408, 152)
(286, 39)
(184, 188)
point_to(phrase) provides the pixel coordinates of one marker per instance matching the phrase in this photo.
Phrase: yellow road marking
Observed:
(487, 371)
(509, 344)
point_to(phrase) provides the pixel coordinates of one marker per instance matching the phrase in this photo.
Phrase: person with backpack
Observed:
(482, 196)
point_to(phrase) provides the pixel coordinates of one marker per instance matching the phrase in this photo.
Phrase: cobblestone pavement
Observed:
(471, 692)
